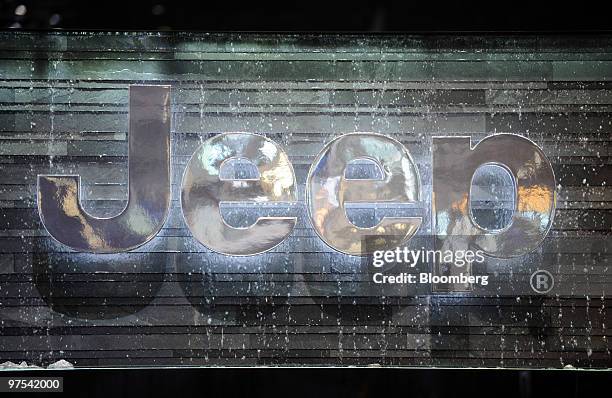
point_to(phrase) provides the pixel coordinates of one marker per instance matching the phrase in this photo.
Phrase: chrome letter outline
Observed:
(203, 190)
(454, 164)
(328, 190)
(148, 203)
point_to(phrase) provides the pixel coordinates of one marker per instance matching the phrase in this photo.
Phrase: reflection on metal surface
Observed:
(492, 197)
(454, 164)
(149, 185)
(328, 191)
(203, 190)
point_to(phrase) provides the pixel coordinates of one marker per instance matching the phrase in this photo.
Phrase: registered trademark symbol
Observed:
(542, 281)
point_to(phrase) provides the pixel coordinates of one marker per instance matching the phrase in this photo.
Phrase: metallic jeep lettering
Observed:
(328, 190)
(261, 170)
(148, 184)
(454, 164)
(203, 190)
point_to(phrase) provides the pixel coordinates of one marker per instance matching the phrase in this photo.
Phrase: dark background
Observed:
(330, 382)
(403, 16)
(372, 16)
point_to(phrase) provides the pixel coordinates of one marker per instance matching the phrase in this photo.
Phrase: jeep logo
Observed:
(328, 190)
